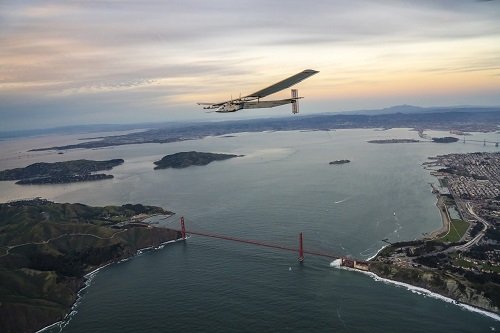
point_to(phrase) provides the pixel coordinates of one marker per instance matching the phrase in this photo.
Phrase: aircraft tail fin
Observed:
(295, 101)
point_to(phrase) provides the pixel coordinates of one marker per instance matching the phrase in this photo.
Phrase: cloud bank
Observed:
(65, 62)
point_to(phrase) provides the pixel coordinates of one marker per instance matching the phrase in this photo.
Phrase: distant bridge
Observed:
(484, 142)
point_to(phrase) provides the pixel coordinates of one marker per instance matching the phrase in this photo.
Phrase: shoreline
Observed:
(89, 277)
(432, 236)
(423, 291)
(376, 254)
(445, 219)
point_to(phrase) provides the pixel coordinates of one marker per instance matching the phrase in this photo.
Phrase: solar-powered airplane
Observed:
(253, 101)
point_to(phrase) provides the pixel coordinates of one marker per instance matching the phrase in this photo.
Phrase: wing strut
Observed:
(295, 101)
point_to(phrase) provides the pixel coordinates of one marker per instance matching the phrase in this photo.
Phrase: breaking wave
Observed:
(89, 277)
(419, 291)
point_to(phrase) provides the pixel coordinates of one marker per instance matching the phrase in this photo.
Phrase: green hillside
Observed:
(46, 248)
(60, 172)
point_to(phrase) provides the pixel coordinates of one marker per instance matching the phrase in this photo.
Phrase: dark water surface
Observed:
(283, 186)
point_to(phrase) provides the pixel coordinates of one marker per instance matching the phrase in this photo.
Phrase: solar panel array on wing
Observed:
(284, 84)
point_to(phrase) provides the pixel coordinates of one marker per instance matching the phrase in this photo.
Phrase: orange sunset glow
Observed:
(89, 62)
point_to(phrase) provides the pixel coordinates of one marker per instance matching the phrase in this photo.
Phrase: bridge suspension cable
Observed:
(300, 250)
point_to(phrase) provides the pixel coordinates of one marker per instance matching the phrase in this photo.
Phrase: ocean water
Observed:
(281, 187)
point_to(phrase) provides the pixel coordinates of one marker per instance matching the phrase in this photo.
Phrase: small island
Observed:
(186, 159)
(47, 249)
(60, 172)
(446, 139)
(337, 162)
(384, 141)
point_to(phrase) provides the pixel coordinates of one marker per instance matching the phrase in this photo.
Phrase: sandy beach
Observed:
(445, 218)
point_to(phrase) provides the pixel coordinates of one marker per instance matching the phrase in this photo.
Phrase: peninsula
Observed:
(60, 172)
(47, 248)
(186, 159)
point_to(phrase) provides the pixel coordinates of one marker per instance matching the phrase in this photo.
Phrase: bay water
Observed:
(283, 185)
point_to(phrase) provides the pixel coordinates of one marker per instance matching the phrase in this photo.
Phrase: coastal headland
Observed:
(47, 248)
(461, 260)
(60, 172)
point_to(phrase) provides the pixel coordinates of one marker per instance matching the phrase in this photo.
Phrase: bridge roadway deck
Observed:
(480, 141)
(259, 243)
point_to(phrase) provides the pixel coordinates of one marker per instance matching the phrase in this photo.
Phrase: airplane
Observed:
(253, 101)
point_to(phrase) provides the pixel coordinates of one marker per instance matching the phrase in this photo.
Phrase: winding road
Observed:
(480, 235)
(10, 247)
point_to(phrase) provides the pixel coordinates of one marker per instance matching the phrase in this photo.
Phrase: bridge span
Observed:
(484, 142)
(299, 250)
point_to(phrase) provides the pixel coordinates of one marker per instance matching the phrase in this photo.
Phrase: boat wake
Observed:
(398, 225)
(340, 317)
(341, 201)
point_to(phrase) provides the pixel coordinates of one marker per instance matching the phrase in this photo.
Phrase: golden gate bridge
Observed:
(299, 250)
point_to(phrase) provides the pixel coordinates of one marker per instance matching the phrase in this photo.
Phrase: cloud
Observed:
(95, 53)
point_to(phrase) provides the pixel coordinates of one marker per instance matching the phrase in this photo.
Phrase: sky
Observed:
(110, 61)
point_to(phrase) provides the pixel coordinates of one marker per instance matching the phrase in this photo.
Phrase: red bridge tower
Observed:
(183, 228)
(301, 249)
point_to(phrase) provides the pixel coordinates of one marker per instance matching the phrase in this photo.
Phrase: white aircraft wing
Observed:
(286, 83)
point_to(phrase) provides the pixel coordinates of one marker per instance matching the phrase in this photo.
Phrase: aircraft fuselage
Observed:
(253, 101)
(230, 107)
